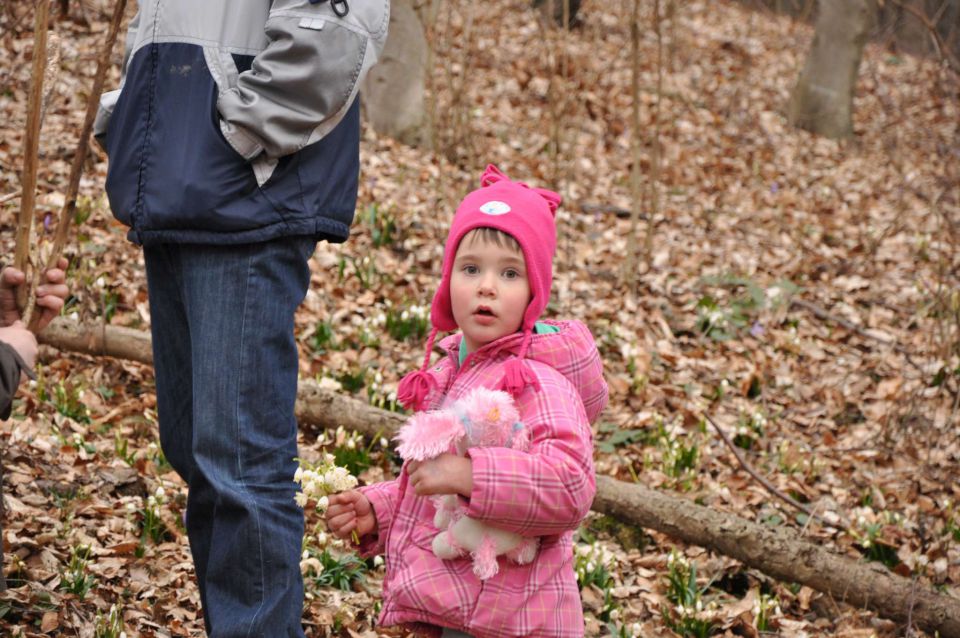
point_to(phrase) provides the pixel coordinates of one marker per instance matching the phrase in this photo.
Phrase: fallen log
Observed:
(778, 552)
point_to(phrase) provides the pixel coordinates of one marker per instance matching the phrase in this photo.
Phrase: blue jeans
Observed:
(226, 370)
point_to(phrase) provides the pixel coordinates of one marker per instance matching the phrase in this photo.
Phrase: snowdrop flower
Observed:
(323, 503)
(300, 498)
(377, 561)
(160, 493)
(321, 539)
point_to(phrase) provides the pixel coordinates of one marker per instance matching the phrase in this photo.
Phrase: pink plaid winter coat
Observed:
(544, 492)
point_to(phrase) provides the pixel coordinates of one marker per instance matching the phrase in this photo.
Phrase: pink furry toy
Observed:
(482, 418)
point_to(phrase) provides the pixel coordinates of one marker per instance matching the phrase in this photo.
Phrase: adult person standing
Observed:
(233, 147)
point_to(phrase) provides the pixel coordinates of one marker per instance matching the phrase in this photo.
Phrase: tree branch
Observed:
(31, 143)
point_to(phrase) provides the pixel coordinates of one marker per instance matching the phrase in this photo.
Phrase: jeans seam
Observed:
(256, 509)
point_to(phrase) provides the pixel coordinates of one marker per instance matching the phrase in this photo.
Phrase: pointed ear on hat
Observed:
(553, 199)
(492, 175)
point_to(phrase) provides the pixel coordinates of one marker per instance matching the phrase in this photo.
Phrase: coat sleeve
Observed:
(301, 85)
(10, 367)
(384, 497)
(549, 488)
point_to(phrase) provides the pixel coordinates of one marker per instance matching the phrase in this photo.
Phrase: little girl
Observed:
(497, 272)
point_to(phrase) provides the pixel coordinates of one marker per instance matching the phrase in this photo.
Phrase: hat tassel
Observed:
(517, 374)
(415, 387)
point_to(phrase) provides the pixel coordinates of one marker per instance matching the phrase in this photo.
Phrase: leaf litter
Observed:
(852, 411)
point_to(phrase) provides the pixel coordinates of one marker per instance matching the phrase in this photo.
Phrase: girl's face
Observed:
(489, 290)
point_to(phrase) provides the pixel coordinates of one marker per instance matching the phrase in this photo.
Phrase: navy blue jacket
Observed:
(237, 120)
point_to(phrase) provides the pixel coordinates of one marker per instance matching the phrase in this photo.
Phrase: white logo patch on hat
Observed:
(495, 207)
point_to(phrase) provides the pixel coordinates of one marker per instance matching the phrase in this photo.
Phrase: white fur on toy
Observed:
(482, 418)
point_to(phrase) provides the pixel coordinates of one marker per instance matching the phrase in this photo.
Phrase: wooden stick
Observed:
(31, 143)
(65, 219)
(51, 74)
(770, 487)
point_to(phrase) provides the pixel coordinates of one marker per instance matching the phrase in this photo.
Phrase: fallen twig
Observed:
(852, 327)
(770, 487)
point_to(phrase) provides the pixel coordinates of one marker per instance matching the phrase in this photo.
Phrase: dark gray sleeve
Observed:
(301, 85)
(10, 367)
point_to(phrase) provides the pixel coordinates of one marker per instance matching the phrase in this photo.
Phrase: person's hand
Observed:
(348, 513)
(51, 294)
(22, 340)
(445, 474)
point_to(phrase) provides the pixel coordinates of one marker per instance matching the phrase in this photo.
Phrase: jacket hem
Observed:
(323, 229)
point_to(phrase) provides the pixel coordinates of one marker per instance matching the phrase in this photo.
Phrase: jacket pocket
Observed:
(444, 590)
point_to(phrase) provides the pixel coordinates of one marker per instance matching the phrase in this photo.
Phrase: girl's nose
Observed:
(487, 286)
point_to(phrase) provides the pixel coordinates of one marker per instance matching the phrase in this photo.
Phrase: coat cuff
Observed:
(241, 141)
(377, 494)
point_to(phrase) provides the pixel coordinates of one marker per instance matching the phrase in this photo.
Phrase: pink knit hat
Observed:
(527, 215)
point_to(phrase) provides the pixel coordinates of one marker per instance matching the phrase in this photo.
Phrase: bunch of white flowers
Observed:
(318, 480)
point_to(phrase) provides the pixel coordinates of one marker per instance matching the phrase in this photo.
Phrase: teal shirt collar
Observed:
(538, 328)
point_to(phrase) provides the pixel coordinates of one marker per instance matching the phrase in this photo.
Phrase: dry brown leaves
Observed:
(841, 419)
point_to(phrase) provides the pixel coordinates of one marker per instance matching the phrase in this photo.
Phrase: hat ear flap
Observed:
(553, 199)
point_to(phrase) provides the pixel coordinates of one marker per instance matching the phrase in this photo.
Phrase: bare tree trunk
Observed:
(777, 551)
(393, 93)
(822, 101)
(563, 13)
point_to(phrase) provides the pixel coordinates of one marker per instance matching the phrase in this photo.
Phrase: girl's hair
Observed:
(493, 236)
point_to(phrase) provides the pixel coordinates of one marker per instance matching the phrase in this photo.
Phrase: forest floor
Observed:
(803, 293)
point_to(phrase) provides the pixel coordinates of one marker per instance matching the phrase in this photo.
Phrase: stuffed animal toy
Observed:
(482, 418)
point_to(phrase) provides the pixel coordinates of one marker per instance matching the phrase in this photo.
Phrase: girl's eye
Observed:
(470, 269)
(510, 273)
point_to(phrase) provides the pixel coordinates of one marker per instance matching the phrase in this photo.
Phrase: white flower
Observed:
(351, 444)
(298, 475)
(773, 292)
(377, 561)
(321, 539)
(323, 503)
(384, 442)
(160, 493)
(301, 499)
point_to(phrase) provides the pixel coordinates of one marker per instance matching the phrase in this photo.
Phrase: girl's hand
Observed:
(350, 513)
(51, 294)
(445, 474)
